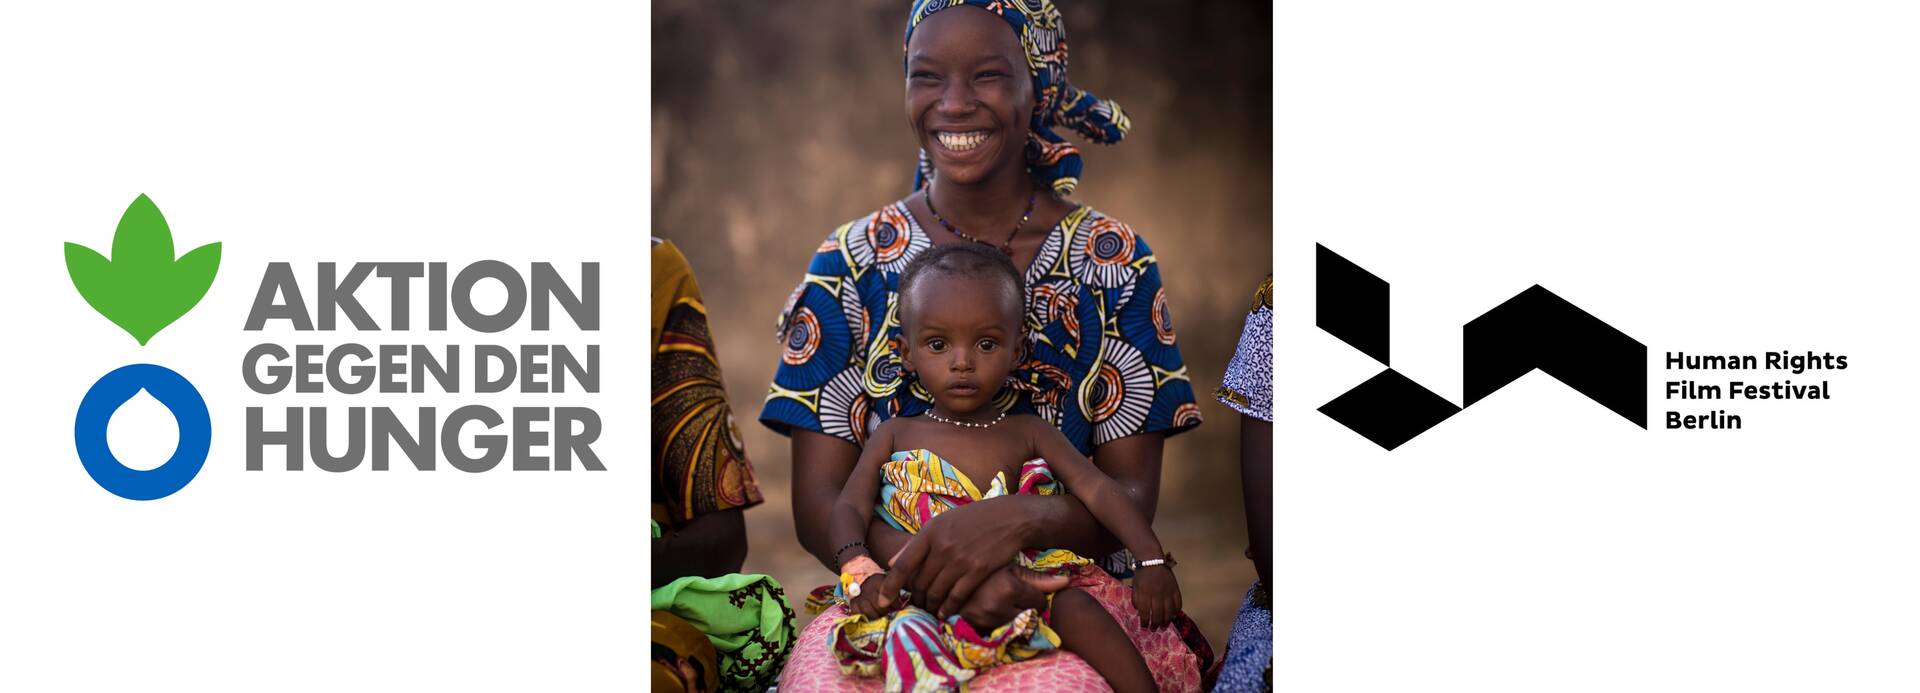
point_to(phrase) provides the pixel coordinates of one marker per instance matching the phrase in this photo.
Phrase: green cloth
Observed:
(746, 617)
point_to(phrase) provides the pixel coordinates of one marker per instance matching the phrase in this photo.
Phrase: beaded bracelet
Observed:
(1165, 559)
(843, 549)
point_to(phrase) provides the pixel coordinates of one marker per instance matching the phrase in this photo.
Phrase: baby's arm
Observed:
(847, 525)
(1156, 594)
(1103, 496)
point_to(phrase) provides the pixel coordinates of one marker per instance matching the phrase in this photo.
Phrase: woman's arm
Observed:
(712, 545)
(973, 540)
(1256, 484)
(821, 465)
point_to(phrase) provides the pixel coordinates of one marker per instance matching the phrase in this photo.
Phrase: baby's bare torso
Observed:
(979, 453)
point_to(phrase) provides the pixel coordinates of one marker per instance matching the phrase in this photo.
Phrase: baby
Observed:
(960, 307)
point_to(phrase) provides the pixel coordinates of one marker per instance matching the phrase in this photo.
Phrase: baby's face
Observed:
(962, 339)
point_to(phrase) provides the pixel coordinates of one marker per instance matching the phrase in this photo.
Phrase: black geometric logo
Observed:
(1534, 329)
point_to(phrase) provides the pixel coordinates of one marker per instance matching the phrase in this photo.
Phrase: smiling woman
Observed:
(986, 85)
(763, 128)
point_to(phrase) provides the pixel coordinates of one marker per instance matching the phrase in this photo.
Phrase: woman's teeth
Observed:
(961, 141)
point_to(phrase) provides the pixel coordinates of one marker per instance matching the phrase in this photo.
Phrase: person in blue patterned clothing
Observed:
(1248, 388)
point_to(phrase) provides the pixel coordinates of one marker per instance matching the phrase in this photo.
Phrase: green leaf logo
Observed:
(143, 288)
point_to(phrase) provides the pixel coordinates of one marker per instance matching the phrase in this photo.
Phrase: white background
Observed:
(340, 132)
(1710, 177)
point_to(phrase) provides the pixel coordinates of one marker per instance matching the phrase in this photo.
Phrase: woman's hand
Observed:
(1007, 592)
(957, 553)
(1156, 595)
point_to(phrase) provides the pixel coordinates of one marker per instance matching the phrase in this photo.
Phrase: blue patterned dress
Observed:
(1103, 363)
(1248, 389)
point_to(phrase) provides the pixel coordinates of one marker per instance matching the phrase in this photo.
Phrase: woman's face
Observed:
(968, 95)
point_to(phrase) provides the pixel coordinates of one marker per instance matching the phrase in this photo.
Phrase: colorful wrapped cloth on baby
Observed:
(913, 649)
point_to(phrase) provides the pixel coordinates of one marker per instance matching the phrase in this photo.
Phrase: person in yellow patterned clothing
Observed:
(713, 627)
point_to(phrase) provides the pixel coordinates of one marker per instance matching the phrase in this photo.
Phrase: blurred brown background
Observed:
(774, 123)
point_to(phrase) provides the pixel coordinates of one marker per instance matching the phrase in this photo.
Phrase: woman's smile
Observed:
(961, 141)
(965, 151)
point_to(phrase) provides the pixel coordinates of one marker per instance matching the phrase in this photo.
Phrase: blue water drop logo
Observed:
(112, 391)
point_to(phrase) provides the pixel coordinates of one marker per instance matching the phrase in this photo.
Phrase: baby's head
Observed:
(961, 312)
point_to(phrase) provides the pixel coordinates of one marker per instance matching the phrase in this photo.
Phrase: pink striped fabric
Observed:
(812, 668)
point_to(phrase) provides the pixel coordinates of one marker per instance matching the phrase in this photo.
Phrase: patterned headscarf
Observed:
(1055, 102)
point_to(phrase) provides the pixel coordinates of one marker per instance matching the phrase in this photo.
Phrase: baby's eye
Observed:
(936, 345)
(987, 346)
